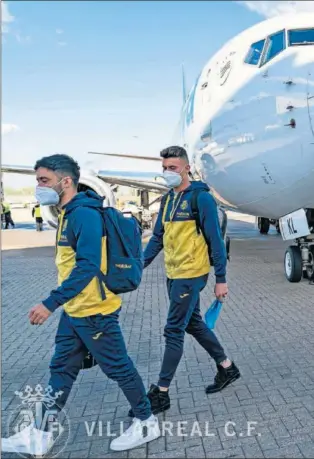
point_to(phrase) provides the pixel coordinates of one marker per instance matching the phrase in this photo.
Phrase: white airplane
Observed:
(248, 127)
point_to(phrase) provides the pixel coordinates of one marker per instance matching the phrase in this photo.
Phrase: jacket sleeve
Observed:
(155, 244)
(211, 226)
(88, 231)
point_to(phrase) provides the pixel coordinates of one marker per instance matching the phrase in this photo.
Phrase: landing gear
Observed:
(263, 225)
(299, 261)
(309, 272)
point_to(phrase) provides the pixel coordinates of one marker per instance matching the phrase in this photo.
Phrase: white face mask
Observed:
(47, 196)
(172, 179)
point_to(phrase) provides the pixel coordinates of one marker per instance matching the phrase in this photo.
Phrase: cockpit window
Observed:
(301, 37)
(275, 44)
(254, 54)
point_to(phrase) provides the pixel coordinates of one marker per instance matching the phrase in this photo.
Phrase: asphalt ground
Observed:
(266, 326)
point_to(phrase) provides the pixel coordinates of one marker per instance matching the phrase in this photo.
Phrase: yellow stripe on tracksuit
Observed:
(186, 252)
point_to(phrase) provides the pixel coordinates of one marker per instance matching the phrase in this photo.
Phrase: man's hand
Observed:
(221, 291)
(38, 314)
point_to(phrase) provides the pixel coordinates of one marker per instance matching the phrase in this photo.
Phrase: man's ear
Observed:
(68, 182)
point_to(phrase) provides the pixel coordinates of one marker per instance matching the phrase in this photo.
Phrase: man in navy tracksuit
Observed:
(187, 267)
(90, 317)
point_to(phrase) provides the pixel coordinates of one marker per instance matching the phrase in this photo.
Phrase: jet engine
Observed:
(87, 182)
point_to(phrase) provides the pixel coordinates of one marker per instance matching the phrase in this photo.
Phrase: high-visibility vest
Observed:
(6, 207)
(37, 212)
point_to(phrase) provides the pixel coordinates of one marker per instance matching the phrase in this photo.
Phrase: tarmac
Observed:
(266, 326)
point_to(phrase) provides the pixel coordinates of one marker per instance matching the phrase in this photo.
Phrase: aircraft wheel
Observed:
(263, 225)
(293, 264)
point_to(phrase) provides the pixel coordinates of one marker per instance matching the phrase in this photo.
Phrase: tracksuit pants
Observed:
(184, 317)
(102, 337)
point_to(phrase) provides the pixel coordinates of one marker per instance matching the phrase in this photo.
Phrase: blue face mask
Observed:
(47, 196)
(172, 179)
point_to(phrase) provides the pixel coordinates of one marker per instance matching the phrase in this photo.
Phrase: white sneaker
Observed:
(29, 441)
(137, 434)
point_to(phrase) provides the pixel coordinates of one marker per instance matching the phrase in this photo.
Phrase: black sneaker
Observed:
(159, 400)
(223, 378)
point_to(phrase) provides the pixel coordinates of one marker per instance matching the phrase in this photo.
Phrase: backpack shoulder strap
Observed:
(196, 215)
(72, 217)
(195, 209)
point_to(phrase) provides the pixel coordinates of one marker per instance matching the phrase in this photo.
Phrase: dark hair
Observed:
(61, 164)
(174, 152)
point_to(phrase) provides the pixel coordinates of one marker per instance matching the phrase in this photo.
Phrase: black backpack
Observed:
(199, 229)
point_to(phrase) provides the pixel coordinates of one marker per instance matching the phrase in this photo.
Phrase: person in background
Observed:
(2, 217)
(38, 218)
(7, 215)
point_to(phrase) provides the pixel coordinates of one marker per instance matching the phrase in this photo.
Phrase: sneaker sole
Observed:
(9, 447)
(137, 444)
(237, 376)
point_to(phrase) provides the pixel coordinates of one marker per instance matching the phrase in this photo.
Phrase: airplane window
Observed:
(254, 54)
(274, 45)
(301, 37)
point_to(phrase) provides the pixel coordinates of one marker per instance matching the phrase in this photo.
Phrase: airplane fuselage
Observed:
(248, 123)
(248, 127)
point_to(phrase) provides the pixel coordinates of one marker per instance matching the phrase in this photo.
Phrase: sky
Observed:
(81, 76)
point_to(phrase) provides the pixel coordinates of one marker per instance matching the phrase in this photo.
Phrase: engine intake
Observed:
(87, 182)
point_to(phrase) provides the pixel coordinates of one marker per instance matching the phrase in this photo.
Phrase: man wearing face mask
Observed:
(187, 267)
(90, 316)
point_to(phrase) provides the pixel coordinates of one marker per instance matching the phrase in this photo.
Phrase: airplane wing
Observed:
(122, 155)
(140, 180)
(143, 180)
(27, 170)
